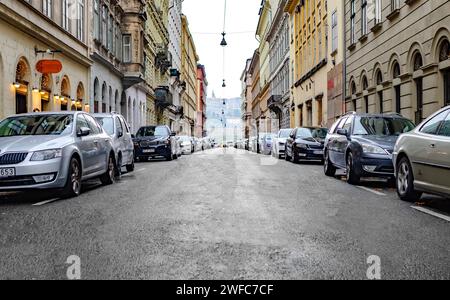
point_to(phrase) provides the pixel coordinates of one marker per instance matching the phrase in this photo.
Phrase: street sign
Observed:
(47, 66)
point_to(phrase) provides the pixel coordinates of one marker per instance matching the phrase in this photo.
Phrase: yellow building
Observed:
(157, 59)
(309, 60)
(189, 60)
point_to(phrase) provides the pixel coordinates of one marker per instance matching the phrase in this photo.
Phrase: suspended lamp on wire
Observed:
(224, 85)
(224, 42)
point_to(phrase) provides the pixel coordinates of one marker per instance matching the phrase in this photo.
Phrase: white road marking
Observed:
(431, 212)
(372, 191)
(45, 202)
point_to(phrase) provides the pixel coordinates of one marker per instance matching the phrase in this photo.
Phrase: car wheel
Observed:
(329, 168)
(405, 182)
(352, 177)
(130, 167)
(169, 157)
(295, 158)
(73, 184)
(286, 156)
(109, 177)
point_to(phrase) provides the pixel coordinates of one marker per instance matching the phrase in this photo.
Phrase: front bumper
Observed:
(153, 151)
(27, 175)
(310, 154)
(186, 149)
(377, 166)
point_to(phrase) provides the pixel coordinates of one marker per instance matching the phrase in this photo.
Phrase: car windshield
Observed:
(152, 131)
(36, 125)
(381, 126)
(107, 124)
(284, 134)
(315, 133)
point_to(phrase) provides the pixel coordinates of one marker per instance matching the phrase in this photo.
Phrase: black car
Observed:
(306, 143)
(363, 144)
(155, 141)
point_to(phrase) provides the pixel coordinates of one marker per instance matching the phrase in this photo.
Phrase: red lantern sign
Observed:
(47, 66)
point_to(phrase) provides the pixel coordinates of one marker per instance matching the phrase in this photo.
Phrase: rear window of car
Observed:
(107, 123)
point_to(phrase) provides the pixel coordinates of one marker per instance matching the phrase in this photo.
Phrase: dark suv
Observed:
(155, 141)
(363, 144)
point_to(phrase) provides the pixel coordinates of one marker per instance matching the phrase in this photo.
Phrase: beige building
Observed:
(189, 60)
(35, 30)
(309, 59)
(398, 56)
(246, 96)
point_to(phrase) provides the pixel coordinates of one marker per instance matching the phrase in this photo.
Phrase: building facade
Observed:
(309, 49)
(189, 59)
(176, 88)
(336, 61)
(255, 89)
(32, 31)
(202, 92)
(279, 56)
(246, 96)
(398, 57)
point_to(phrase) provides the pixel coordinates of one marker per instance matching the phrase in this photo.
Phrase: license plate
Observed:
(318, 152)
(149, 151)
(7, 172)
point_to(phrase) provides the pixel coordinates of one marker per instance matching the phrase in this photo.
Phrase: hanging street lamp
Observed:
(224, 42)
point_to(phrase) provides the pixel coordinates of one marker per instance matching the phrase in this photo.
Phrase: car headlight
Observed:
(165, 142)
(46, 155)
(373, 149)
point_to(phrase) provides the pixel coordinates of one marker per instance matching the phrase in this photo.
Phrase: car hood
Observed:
(150, 138)
(33, 143)
(385, 142)
(310, 141)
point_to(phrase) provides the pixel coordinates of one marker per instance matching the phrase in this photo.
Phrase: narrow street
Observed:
(223, 214)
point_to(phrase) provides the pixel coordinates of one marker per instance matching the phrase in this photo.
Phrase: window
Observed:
(80, 20)
(93, 124)
(352, 22)
(433, 125)
(81, 122)
(334, 32)
(65, 14)
(105, 26)
(395, 4)
(364, 22)
(96, 20)
(445, 128)
(418, 63)
(127, 48)
(47, 8)
(378, 12)
(111, 33)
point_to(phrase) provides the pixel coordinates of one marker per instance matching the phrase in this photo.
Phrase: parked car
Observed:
(155, 141)
(54, 151)
(198, 144)
(187, 145)
(279, 143)
(306, 143)
(267, 144)
(422, 158)
(363, 144)
(117, 128)
(206, 144)
(259, 141)
(253, 144)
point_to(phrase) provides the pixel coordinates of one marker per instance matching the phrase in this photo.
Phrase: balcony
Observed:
(163, 96)
(163, 59)
(133, 73)
(275, 103)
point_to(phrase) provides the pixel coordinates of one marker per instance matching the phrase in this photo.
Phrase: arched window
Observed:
(104, 97)
(365, 84)
(379, 78)
(65, 93)
(80, 97)
(353, 91)
(21, 86)
(444, 54)
(397, 89)
(418, 64)
(96, 94)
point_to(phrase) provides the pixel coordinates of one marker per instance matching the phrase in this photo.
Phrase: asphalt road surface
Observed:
(224, 214)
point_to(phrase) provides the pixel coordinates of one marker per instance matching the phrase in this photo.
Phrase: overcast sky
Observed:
(206, 24)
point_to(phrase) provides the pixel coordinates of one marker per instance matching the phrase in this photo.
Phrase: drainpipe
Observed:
(344, 69)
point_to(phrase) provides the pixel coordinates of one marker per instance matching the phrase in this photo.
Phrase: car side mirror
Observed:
(173, 133)
(343, 132)
(84, 131)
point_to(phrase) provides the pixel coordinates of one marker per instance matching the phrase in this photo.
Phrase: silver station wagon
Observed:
(422, 158)
(54, 151)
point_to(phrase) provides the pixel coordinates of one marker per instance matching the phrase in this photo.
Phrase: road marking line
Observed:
(45, 202)
(431, 212)
(372, 191)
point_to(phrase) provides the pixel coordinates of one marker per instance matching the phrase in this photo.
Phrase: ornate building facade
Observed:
(398, 57)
